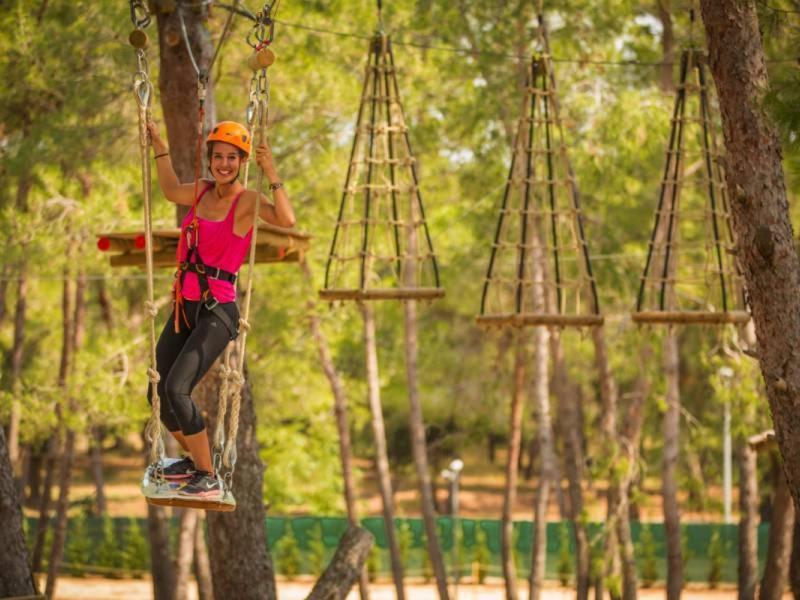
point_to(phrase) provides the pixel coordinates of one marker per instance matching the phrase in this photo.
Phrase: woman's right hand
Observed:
(159, 145)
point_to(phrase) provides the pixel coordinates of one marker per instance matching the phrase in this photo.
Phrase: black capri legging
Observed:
(183, 358)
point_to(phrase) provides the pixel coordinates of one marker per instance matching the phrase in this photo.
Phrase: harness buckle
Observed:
(200, 268)
(211, 305)
(217, 274)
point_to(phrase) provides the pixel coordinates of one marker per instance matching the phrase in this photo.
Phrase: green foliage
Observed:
(374, 562)
(287, 554)
(79, 545)
(565, 557)
(405, 541)
(316, 550)
(646, 552)
(110, 553)
(716, 559)
(480, 554)
(135, 551)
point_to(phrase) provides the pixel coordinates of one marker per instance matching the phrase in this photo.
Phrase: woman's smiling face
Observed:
(226, 160)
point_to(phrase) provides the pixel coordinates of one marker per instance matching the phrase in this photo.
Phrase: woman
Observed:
(215, 238)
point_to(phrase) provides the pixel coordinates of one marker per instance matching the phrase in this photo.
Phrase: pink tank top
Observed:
(219, 247)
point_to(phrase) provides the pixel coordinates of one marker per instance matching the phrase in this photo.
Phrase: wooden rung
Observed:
(534, 319)
(678, 317)
(178, 502)
(385, 294)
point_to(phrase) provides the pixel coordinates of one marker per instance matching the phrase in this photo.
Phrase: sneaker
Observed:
(202, 485)
(181, 469)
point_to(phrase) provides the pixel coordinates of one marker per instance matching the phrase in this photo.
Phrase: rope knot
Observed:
(237, 377)
(244, 324)
(154, 375)
(151, 308)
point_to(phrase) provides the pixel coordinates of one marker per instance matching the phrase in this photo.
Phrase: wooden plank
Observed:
(385, 294)
(179, 502)
(691, 317)
(166, 258)
(539, 319)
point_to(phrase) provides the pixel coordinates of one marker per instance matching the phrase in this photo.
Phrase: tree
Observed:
(16, 578)
(765, 243)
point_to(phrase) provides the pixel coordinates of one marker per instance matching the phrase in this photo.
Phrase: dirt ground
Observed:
(92, 588)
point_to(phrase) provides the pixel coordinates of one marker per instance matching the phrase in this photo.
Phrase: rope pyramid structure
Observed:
(540, 272)
(381, 247)
(690, 275)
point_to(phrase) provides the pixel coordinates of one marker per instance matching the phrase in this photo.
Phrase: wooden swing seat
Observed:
(428, 293)
(166, 494)
(539, 319)
(687, 317)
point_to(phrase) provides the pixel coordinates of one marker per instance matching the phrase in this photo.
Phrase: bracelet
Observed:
(276, 186)
(160, 155)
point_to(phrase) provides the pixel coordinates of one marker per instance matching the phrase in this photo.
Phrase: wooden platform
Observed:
(539, 319)
(166, 494)
(737, 317)
(274, 245)
(382, 294)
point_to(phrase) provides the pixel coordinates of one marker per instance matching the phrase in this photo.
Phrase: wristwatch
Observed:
(276, 186)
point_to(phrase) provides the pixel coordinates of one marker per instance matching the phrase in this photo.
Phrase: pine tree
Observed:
(565, 558)
(109, 553)
(79, 545)
(647, 556)
(481, 555)
(135, 552)
(287, 552)
(316, 550)
(716, 559)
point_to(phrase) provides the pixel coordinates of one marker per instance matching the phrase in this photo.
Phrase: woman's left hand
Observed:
(264, 158)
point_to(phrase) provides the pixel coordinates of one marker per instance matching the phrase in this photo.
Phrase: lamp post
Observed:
(452, 474)
(726, 374)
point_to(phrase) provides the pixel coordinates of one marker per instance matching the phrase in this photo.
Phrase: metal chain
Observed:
(263, 30)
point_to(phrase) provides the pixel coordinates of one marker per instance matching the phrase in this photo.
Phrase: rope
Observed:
(143, 92)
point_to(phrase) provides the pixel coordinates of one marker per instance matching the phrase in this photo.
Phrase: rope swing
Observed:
(690, 275)
(539, 270)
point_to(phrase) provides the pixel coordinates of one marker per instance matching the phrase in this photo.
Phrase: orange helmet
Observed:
(232, 133)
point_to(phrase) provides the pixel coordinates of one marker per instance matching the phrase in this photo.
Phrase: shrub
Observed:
(287, 554)
(316, 550)
(716, 559)
(135, 552)
(647, 557)
(564, 554)
(481, 555)
(79, 545)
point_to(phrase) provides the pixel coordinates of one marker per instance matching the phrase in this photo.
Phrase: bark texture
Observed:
(16, 578)
(202, 566)
(420, 451)
(160, 556)
(765, 248)
(541, 401)
(345, 566)
(669, 486)
(512, 470)
(185, 557)
(381, 456)
(748, 524)
(779, 551)
(571, 433)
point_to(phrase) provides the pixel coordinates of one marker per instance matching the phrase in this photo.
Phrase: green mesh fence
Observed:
(305, 545)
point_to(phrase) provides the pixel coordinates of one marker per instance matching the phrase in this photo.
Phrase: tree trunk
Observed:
(571, 431)
(669, 487)
(16, 361)
(541, 400)
(242, 532)
(512, 470)
(4, 279)
(16, 578)
(663, 9)
(96, 466)
(630, 438)
(183, 562)
(160, 556)
(765, 248)
(44, 504)
(609, 398)
(419, 450)
(345, 567)
(381, 457)
(779, 552)
(74, 322)
(748, 524)
(342, 423)
(794, 566)
(202, 567)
